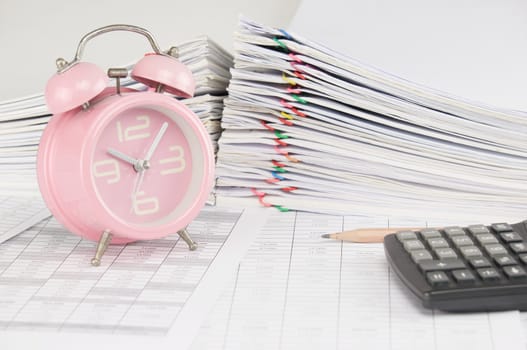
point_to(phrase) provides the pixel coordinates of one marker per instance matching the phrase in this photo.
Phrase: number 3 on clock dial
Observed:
(165, 179)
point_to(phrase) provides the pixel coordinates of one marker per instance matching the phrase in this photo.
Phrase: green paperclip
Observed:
(281, 44)
(280, 135)
(299, 99)
(281, 208)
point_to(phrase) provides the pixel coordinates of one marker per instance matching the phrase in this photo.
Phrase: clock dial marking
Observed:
(145, 206)
(107, 168)
(133, 132)
(179, 159)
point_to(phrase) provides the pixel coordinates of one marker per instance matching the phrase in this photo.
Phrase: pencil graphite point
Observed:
(325, 235)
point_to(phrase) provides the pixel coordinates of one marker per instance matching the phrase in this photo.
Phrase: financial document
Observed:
(20, 213)
(295, 290)
(149, 292)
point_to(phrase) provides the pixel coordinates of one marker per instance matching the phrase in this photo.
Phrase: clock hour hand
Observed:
(156, 141)
(124, 157)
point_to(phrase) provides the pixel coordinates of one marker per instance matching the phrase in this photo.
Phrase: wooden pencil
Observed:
(367, 235)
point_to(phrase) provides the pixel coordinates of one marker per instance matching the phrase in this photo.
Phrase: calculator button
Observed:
(437, 243)
(445, 253)
(501, 227)
(510, 237)
(413, 245)
(460, 241)
(430, 233)
(523, 258)
(504, 260)
(420, 255)
(478, 229)
(437, 278)
(486, 238)
(405, 235)
(479, 262)
(463, 276)
(518, 247)
(488, 274)
(495, 249)
(514, 272)
(470, 252)
(454, 231)
(437, 265)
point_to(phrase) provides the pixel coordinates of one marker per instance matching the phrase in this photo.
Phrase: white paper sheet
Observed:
(523, 318)
(17, 214)
(151, 292)
(295, 290)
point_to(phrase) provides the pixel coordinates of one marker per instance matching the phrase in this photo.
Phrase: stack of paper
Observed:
(309, 129)
(23, 120)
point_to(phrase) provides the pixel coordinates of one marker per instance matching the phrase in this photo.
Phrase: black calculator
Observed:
(462, 269)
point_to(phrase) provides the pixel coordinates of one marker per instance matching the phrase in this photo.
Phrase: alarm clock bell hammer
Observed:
(117, 164)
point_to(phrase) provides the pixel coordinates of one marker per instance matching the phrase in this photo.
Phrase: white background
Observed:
(33, 33)
(471, 48)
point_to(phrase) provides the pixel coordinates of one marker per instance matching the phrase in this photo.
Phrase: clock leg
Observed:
(186, 237)
(105, 239)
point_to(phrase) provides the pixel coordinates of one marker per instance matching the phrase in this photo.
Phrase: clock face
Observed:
(142, 166)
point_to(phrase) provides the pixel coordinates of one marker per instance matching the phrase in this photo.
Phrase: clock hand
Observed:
(123, 157)
(156, 141)
(145, 163)
(137, 185)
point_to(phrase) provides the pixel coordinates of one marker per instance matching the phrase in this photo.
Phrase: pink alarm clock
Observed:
(117, 165)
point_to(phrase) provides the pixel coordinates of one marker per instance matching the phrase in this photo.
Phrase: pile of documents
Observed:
(309, 129)
(23, 120)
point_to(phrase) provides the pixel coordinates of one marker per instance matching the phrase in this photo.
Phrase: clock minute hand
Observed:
(145, 163)
(156, 141)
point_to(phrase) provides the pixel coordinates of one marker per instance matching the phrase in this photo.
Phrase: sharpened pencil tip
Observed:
(326, 235)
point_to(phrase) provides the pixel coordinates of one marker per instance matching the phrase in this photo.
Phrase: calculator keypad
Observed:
(464, 276)
(519, 247)
(437, 278)
(514, 272)
(420, 255)
(470, 252)
(406, 236)
(488, 274)
(479, 262)
(510, 237)
(486, 238)
(476, 255)
(460, 241)
(430, 233)
(477, 229)
(501, 227)
(454, 231)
